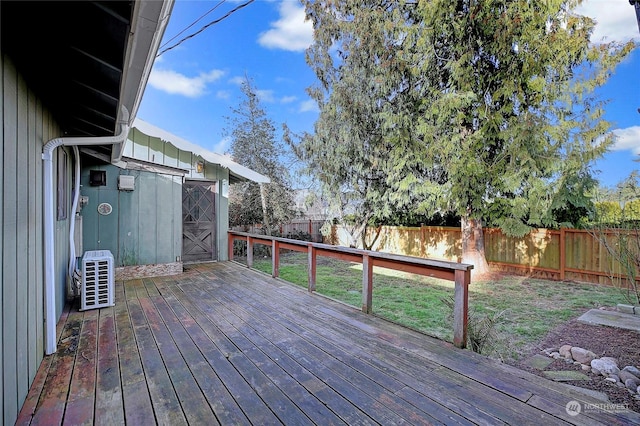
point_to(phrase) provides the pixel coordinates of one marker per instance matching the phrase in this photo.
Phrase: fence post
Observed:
(461, 308)
(312, 267)
(423, 251)
(367, 284)
(230, 241)
(249, 252)
(563, 252)
(275, 258)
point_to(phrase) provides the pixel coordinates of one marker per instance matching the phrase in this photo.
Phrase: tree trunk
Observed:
(473, 245)
(265, 217)
(365, 233)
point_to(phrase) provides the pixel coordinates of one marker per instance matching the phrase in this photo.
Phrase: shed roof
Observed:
(237, 172)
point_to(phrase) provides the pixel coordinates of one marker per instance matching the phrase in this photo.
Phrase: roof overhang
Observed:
(237, 172)
(88, 61)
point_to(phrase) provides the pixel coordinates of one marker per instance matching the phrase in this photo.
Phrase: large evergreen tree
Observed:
(348, 151)
(484, 108)
(254, 145)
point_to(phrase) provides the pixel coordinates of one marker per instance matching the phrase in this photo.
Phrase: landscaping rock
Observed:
(605, 366)
(586, 367)
(625, 375)
(581, 355)
(565, 351)
(633, 370)
(632, 384)
(610, 359)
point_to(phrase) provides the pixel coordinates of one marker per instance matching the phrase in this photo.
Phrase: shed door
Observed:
(198, 221)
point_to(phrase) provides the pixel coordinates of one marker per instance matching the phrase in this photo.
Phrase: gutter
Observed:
(49, 218)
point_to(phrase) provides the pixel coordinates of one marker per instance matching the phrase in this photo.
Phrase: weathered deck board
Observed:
(350, 373)
(221, 344)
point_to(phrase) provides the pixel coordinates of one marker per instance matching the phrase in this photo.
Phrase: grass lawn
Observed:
(522, 309)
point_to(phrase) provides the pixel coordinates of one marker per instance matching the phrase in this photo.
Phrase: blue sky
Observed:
(194, 85)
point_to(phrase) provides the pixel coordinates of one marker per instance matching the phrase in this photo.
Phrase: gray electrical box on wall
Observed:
(126, 183)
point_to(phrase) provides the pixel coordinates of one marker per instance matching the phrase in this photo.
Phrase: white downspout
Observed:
(49, 221)
(72, 225)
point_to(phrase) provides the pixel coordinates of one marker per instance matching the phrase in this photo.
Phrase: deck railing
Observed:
(459, 273)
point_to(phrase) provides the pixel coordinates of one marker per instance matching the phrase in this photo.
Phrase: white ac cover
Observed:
(97, 279)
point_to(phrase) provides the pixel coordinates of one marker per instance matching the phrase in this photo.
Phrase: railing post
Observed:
(312, 267)
(230, 245)
(563, 252)
(367, 284)
(461, 308)
(275, 257)
(249, 252)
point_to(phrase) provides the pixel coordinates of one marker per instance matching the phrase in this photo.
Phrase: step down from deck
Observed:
(611, 319)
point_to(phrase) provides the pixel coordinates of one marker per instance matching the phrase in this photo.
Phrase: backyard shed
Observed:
(167, 203)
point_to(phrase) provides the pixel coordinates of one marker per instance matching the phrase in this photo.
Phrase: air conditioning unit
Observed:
(97, 280)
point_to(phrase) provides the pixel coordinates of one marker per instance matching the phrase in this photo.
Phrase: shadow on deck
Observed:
(222, 344)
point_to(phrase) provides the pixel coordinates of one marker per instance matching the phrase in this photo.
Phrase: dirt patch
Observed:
(624, 345)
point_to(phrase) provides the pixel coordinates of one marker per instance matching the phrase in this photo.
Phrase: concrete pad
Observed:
(565, 376)
(539, 362)
(611, 318)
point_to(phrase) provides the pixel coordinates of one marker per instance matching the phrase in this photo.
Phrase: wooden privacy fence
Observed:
(309, 226)
(459, 273)
(565, 254)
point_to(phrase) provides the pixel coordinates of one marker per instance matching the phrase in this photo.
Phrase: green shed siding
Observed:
(145, 226)
(27, 126)
(155, 150)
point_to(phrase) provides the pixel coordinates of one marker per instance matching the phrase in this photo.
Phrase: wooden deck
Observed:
(221, 344)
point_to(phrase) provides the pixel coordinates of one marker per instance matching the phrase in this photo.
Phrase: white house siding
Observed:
(27, 125)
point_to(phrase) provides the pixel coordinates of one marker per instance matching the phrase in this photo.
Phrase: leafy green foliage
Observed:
(617, 229)
(254, 145)
(608, 212)
(486, 109)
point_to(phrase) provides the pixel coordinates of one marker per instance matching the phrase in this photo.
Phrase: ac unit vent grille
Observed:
(97, 279)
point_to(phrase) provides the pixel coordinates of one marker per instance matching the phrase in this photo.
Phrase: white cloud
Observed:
(265, 95)
(223, 94)
(222, 146)
(309, 105)
(627, 139)
(238, 80)
(288, 99)
(178, 84)
(291, 32)
(615, 20)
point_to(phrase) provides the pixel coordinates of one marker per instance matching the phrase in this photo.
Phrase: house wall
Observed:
(145, 226)
(27, 125)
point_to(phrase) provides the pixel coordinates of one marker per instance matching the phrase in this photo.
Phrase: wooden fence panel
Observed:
(540, 248)
(569, 254)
